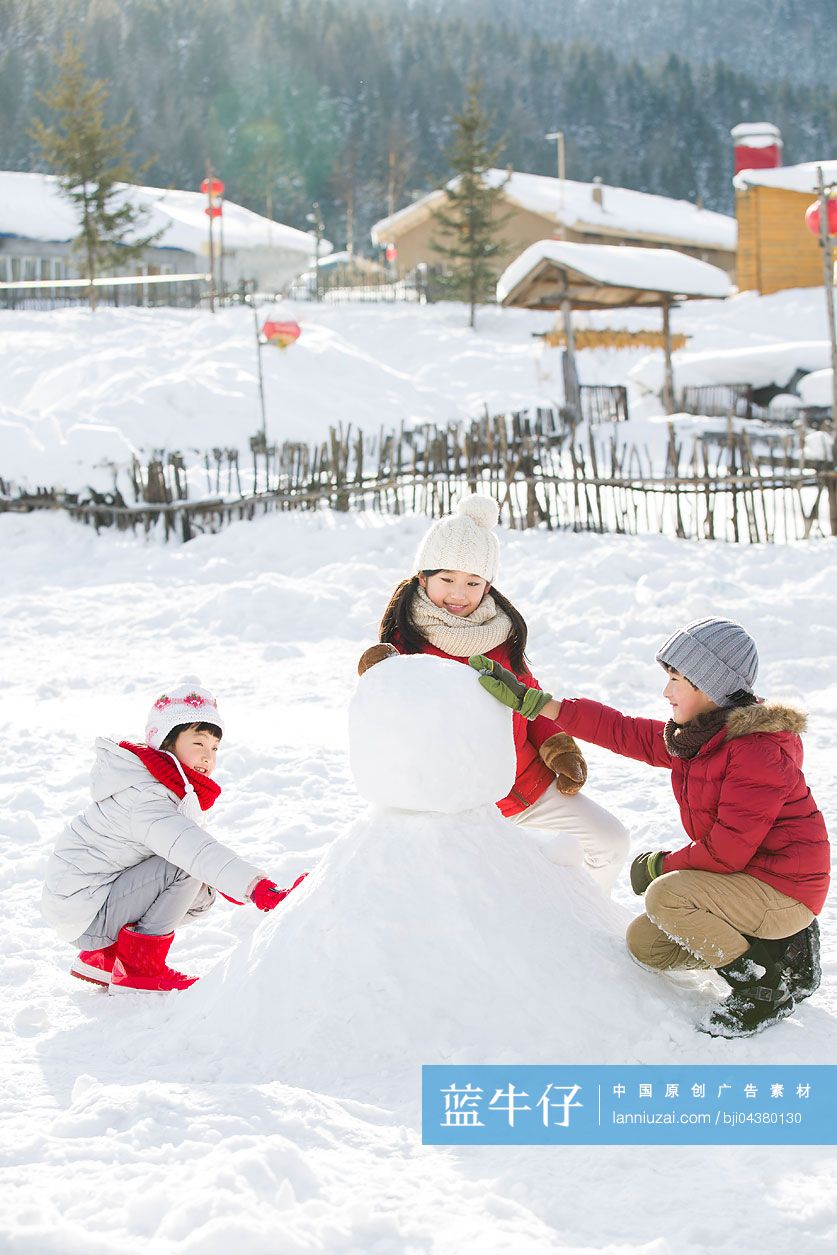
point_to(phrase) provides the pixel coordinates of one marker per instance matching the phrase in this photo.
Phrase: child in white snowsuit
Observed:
(137, 862)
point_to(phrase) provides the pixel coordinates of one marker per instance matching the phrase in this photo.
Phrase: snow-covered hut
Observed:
(554, 274)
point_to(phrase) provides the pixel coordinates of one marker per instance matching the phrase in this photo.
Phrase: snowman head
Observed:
(424, 736)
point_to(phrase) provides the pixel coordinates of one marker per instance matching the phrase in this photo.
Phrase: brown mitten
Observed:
(375, 653)
(562, 755)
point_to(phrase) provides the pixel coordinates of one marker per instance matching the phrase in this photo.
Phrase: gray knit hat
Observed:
(717, 655)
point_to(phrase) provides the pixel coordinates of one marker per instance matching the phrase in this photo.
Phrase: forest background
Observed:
(350, 103)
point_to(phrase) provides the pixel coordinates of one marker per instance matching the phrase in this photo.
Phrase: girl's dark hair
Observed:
(168, 742)
(397, 622)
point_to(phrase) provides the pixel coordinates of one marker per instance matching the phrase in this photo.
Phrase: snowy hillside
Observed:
(81, 391)
(227, 1118)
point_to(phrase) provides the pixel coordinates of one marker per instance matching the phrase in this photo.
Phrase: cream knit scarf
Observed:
(477, 633)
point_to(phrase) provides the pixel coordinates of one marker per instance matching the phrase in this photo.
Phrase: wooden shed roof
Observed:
(606, 276)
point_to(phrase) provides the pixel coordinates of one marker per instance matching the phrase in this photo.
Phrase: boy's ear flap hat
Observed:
(187, 702)
(464, 540)
(717, 655)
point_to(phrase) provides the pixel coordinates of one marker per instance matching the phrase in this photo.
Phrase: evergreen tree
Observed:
(90, 159)
(472, 217)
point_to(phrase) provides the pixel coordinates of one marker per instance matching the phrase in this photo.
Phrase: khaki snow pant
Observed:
(696, 919)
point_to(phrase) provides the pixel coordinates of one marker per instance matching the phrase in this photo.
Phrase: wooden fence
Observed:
(740, 399)
(543, 469)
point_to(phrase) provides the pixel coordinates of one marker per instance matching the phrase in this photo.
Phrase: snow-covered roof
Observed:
(568, 204)
(802, 178)
(32, 207)
(760, 365)
(660, 271)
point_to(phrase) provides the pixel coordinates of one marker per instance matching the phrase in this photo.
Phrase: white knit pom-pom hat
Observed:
(187, 702)
(464, 540)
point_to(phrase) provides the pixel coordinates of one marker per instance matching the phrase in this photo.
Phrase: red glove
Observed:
(266, 895)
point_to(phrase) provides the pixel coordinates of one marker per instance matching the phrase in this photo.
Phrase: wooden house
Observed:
(586, 213)
(775, 248)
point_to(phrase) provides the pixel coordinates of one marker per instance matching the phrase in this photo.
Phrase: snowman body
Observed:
(424, 736)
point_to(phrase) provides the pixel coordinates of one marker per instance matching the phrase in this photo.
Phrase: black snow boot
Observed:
(759, 995)
(798, 957)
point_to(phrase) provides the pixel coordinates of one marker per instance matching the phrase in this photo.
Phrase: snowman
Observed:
(434, 930)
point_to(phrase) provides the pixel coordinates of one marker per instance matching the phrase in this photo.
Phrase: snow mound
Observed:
(760, 365)
(423, 939)
(815, 389)
(412, 738)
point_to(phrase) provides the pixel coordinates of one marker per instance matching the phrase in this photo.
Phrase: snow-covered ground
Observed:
(80, 390)
(226, 1118)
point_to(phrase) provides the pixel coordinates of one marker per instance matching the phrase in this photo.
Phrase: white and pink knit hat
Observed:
(188, 702)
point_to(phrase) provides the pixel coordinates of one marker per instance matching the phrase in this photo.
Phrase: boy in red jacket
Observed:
(743, 896)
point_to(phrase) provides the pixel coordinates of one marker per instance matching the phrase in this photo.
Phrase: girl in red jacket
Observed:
(742, 897)
(451, 609)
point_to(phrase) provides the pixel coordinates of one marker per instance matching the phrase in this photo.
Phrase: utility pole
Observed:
(828, 280)
(211, 215)
(558, 137)
(221, 250)
(319, 226)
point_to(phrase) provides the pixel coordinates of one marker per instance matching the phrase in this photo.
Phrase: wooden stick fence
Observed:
(544, 471)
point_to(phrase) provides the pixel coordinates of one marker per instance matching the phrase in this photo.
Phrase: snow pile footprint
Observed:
(435, 932)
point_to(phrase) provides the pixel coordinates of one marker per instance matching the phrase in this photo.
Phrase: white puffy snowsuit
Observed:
(131, 818)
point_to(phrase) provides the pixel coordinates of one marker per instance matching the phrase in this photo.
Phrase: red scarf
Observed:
(163, 769)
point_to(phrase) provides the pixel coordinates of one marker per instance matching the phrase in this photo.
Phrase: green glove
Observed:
(506, 687)
(645, 868)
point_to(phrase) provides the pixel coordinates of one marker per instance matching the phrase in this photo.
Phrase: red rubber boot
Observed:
(140, 964)
(95, 965)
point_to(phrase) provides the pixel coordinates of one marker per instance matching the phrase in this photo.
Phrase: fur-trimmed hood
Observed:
(765, 717)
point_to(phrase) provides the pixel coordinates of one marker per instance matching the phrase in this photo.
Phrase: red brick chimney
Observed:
(757, 146)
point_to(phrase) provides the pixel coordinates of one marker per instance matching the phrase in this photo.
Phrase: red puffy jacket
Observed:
(743, 798)
(533, 776)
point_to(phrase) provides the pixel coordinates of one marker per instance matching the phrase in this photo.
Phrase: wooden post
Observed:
(573, 396)
(668, 375)
(261, 376)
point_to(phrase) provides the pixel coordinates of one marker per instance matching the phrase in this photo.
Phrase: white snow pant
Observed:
(603, 839)
(153, 897)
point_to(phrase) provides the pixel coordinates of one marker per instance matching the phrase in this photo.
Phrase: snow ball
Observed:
(424, 736)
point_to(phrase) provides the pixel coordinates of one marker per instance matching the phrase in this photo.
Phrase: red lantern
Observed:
(213, 211)
(391, 252)
(812, 217)
(281, 334)
(212, 187)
